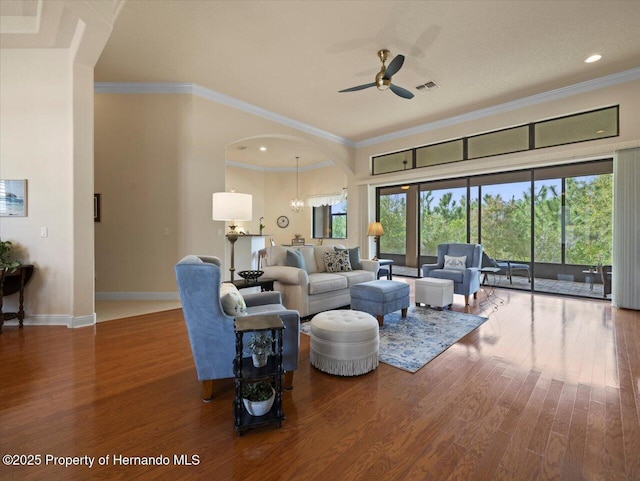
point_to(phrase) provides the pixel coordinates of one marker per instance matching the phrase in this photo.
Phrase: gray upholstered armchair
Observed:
(466, 278)
(211, 331)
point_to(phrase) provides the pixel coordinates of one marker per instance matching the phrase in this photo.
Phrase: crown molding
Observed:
(195, 89)
(557, 94)
(200, 91)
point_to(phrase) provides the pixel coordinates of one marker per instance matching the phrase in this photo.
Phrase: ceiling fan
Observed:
(383, 77)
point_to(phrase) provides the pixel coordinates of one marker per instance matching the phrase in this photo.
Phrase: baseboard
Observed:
(54, 320)
(137, 296)
(83, 321)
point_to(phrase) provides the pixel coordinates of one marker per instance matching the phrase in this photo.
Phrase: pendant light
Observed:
(297, 204)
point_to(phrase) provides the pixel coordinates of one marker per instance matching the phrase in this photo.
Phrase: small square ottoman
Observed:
(344, 342)
(380, 297)
(434, 292)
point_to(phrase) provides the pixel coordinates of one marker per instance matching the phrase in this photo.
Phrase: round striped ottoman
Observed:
(344, 342)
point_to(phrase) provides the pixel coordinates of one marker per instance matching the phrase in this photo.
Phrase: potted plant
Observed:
(5, 256)
(260, 346)
(258, 397)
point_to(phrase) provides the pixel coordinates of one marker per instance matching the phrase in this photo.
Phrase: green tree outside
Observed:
(506, 223)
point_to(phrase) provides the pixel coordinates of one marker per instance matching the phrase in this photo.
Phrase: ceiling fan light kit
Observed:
(383, 77)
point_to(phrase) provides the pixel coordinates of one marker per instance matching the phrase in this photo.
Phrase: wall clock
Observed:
(283, 221)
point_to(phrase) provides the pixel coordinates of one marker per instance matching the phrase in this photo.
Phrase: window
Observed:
(443, 214)
(500, 142)
(330, 221)
(392, 162)
(593, 125)
(443, 153)
(393, 217)
(580, 127)
(588, 215)
(556, 221)
(505, 215)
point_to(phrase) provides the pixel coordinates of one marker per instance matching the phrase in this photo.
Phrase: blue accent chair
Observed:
(211, 331)
(465, 282)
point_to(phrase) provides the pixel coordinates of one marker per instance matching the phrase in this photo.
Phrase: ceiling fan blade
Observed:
(394, 66)
(359, 87)
(399, 91)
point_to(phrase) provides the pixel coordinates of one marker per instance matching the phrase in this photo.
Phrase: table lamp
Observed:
(232, 206)
(375, 229)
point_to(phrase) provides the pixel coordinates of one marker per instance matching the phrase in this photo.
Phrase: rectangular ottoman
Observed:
(434, 292)
(380, 297)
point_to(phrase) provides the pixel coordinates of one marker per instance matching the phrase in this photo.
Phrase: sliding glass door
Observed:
(443, 216)
(505, 223)
(550, 228)
(392, 210)
(573, 225)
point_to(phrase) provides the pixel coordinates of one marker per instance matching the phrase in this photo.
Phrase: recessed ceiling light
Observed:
(593, 58)
(262, 149)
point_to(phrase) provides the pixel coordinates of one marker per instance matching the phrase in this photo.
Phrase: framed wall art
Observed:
(13, 198)
(96, 207)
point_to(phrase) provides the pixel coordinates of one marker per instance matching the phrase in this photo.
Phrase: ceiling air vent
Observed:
(430, 85)
(242, 147)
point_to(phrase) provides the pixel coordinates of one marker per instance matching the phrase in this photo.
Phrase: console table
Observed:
(12, 281)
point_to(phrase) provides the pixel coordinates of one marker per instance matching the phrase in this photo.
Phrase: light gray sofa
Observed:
(313, 290)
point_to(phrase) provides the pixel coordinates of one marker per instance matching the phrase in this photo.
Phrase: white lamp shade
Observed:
(232, 206)
(375, 229)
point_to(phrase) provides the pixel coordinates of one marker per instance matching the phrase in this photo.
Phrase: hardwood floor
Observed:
(547, 388)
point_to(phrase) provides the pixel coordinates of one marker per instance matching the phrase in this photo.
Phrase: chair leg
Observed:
(207, 391)
(404, 312)
(475, 295)
(288, 381)
(466, 300)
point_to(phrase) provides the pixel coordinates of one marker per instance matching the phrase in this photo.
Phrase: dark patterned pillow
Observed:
(354, 257)
(337, 261)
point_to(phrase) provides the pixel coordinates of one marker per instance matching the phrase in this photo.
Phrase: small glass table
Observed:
(389, 271)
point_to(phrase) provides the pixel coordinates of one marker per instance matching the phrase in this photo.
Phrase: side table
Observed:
(245, 372)
(384, 271)
(12, 281)
(485, 271)
(264, 284)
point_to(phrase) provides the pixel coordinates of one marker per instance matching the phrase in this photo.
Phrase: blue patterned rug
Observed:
(412, 342)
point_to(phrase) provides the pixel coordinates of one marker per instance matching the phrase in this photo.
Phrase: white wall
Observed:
(46, 137)
(158, 160)
(36, 135)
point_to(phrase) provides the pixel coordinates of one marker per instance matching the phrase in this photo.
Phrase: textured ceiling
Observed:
(292, 57)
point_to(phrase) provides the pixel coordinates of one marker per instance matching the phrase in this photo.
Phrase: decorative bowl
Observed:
(250, 275)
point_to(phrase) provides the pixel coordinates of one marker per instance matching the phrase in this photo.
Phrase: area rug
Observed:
(412, 342)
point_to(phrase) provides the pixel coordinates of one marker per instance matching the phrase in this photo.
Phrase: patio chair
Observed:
(507, 266)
